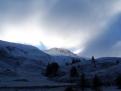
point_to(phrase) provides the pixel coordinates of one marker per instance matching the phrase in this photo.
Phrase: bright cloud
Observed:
(56, 23)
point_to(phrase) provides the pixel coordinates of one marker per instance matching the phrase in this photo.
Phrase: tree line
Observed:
(96, 83)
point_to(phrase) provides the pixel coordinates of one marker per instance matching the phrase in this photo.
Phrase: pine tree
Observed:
(93, 61)
(74, 72)
(47, 71)
(52, 69)
(118, 81)
(69, 89)
(117, 62)
(97, 82)
(83, 81)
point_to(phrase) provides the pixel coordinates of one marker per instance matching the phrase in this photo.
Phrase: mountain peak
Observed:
(60, 52)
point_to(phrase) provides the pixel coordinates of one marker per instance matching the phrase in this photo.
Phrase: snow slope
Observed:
(107, 68)
(60, 52)
(20, 60)
(62, 56)
(21, 50)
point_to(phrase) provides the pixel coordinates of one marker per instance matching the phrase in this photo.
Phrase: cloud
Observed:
(72, 24)
(82, 20)
(108, 43)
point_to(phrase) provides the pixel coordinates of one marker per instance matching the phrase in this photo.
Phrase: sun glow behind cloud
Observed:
(32, 32)
(25, 32)
(47, 22)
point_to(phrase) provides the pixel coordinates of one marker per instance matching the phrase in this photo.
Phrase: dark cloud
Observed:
(107, 43)
(77, 13)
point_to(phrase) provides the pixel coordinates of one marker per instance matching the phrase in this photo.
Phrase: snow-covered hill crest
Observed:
(21, 56)
(21, 50)
(60, 52)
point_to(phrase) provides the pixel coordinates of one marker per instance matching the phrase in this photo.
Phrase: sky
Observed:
(87, 27)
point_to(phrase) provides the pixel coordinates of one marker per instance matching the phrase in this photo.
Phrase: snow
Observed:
(21, 50)
(19, 60)
(62, 56)
(60, 52)
(22, 65)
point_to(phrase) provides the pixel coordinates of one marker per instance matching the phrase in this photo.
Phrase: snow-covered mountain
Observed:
(19, 61)
(62, 56)
(21, 57)
(60, 52)
(8, 49)
(22, 49)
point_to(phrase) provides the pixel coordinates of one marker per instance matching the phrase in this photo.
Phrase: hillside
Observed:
(19, 61)
(62, 56)
(25, 63)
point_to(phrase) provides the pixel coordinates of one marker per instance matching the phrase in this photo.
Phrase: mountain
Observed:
(107, 68)
(60, 52)
(24, 58)
(62, 56)
(21, 50)
(16, 50)
(25, 62)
